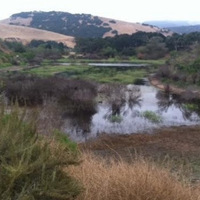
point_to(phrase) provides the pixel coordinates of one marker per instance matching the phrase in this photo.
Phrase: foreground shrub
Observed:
(31, 167)
(140, 180)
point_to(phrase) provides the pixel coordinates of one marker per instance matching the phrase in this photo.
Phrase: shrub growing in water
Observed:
(152, 116)
(31, 167)
(76, 94)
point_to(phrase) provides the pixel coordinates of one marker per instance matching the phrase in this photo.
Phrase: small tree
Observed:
(109, 52)
(155, 49)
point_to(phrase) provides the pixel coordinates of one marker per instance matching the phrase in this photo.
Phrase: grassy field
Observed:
(46, 70)
(102, 75)
(112, 60)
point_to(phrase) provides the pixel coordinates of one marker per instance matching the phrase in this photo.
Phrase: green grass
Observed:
(64, 139)
(152, 62)
(46, 70)
(75, 60)
(112, 60)
(102, 75)
(5, 65)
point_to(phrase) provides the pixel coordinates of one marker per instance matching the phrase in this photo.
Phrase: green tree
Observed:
(109, 52)
(154, 49)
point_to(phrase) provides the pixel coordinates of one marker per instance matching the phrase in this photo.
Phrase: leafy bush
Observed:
(31, 166)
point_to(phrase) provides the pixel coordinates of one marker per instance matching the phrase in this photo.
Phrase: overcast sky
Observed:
(127, 10)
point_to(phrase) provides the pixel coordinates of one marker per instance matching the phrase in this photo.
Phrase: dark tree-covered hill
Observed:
(78, 25)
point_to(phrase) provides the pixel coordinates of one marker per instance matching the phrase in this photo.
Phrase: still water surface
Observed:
(128, 116)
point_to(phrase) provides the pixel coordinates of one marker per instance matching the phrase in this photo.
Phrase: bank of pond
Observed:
(88, 109)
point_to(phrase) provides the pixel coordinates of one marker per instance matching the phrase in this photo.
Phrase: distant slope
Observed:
(121, 27)
(177, 26)
(166, 23)
(185, 29)
(26, 34)
(78, 25)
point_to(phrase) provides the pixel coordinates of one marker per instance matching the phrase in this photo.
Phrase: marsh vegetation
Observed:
(109, 110)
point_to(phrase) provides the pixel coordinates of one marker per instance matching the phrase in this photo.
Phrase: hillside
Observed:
(167, 23)
(180, 27)
(185, 29)
(26, 34)
(78, 25)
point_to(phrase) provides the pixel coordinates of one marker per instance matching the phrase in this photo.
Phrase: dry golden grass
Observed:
(127, 27)
(26, 34)
(140, 180)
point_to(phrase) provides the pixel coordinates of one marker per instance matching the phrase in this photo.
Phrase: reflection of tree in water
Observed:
(80, 121)
(79, 111)
(121, 98)
(166, 100)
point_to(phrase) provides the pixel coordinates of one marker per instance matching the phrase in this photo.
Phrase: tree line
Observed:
(140, 44)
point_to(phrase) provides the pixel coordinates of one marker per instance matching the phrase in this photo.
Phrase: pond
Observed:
(132, 109)
(121, 65)
(117, 65)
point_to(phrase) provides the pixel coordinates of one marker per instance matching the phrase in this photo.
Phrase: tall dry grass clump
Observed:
(141, 180)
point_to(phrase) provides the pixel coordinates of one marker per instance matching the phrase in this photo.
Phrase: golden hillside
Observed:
(123, 27)
(79, 25)
(26, 34)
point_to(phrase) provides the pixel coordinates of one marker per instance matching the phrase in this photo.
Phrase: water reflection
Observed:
(120, 100)
(167, 100)
(77, 124)
(121, 111)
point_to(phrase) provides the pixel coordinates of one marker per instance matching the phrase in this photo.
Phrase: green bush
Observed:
(115, 119)
(152, 116)
(64, 139)
(31, 166)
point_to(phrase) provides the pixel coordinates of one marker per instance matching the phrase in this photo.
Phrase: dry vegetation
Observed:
(140, 180)
(121, 27)
(162, 166)
(105, 177)
(26, 34)
(127, 27)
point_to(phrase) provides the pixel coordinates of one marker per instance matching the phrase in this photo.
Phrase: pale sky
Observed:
(126, 10)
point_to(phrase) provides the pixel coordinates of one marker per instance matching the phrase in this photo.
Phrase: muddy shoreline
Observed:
(179, 146)
(171, 88)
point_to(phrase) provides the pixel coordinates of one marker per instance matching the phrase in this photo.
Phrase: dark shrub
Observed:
(164, 72)
(76, 94)
(139, 81)
(112, 21)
